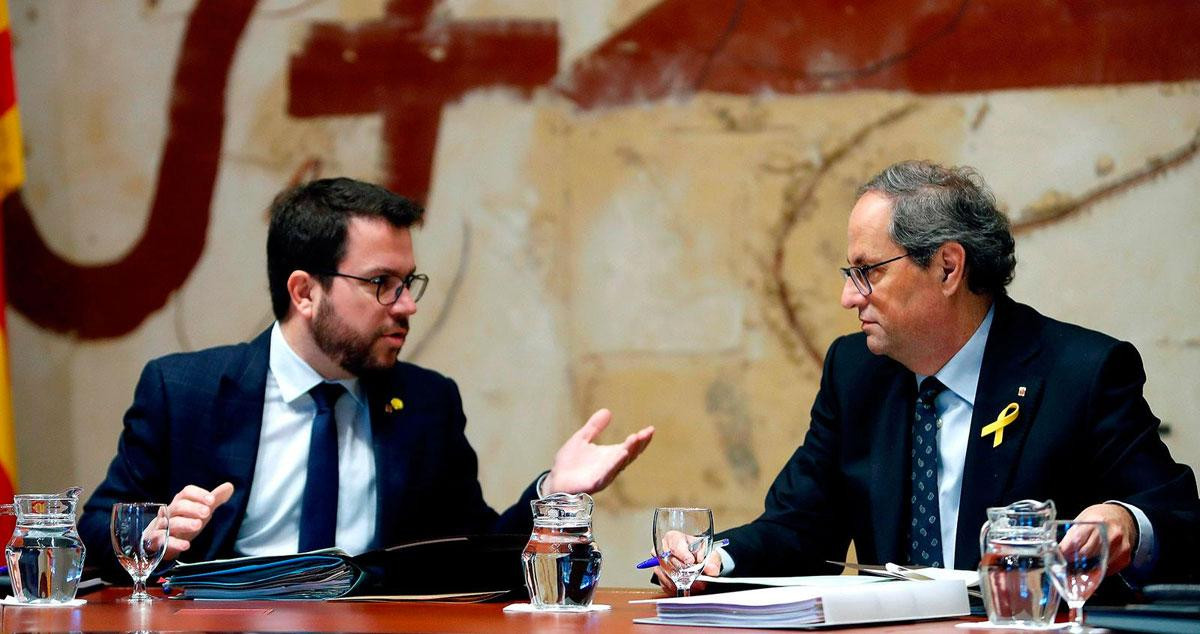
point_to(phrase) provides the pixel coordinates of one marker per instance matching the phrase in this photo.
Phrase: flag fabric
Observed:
(12, 165)
(12, 174)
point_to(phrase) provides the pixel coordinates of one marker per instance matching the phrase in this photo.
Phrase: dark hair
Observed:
(308, 228)
(933, 205)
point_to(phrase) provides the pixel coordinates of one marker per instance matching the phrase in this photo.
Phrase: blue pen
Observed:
(653, 561)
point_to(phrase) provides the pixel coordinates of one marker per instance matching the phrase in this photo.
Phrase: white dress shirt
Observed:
(955, 406)
(272, 522)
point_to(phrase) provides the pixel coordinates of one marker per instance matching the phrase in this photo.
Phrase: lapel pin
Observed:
(1021, 391)
(1004, 419)
(393, 405)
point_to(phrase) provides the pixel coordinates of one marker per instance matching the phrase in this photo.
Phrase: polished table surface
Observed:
(105, 612)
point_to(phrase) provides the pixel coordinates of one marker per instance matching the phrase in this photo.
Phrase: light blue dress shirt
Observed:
(954, 406)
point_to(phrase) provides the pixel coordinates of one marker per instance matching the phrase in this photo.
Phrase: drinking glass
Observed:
(139, 537)
(689, 527)
(1077, 565)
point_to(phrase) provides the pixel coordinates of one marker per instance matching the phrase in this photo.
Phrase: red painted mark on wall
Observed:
(924, 46)
(408, 65)
(110, 300)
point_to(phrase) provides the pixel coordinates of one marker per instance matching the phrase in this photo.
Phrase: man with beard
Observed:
(313, 435)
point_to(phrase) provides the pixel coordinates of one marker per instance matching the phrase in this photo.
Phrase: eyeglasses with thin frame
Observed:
(389, 288)
(858, 274)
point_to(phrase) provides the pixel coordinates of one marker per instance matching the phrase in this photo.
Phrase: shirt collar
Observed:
(961, 373)
(294, 375)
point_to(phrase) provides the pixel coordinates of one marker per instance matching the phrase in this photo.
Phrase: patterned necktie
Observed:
(925, 528)
(318, 510)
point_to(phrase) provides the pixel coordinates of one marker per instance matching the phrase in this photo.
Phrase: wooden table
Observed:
(104, 612)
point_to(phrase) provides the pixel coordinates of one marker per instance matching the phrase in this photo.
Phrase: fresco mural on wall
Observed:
(637, 204)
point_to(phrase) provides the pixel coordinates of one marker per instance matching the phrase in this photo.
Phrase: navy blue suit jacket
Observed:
(196, 419)
(1083, 435)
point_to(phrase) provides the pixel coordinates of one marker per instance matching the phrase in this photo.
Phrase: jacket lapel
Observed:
(237, 425)
(890, 467)
(1009, 389)
(393, 437)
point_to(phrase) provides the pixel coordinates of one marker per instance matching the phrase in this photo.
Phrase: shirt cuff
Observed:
(540, 481)
(726, 563)
(1143, 553)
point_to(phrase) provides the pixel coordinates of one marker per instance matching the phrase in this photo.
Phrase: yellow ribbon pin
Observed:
(997, 426)
(393, 405)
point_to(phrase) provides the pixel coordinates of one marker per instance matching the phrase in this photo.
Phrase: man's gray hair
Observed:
(933, 205)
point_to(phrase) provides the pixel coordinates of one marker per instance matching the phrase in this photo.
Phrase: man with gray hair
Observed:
(955, 398)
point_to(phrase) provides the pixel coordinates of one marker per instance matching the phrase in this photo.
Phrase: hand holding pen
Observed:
(653, 561)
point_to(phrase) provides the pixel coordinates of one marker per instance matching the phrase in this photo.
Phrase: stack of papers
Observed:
(894, 571)
(816, 605)
(322, 574)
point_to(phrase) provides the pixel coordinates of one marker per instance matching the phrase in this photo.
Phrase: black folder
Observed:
(449, 565)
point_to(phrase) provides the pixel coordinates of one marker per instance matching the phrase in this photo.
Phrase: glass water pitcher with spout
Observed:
(561, 560)
(45, 554)
(1015, 542)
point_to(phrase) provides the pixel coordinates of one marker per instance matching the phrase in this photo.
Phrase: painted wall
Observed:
(632, 204)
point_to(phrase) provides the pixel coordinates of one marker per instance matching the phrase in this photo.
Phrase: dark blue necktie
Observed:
(925, 527)
(318, 510)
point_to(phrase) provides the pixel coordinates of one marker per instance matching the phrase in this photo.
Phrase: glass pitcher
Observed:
(561, 560)
(45, 554)
(1014, 543)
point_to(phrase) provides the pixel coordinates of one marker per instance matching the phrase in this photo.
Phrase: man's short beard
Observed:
(339, 342)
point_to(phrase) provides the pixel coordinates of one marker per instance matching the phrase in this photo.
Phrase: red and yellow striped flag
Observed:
(12, 174)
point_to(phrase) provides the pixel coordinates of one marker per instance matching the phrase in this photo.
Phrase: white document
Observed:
(969, 577)
(816, 606)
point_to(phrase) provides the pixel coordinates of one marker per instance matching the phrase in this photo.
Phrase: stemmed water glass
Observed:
(1077, 565)
(683, 539)
(139, 536)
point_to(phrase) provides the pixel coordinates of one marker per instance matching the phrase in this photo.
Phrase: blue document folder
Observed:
(323, 574)
(473, 563)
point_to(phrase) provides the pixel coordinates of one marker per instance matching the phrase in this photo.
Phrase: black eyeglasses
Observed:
(388, 288)
(858, 274)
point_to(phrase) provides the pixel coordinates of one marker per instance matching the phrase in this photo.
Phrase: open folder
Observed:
(472, 564)
(816, 606)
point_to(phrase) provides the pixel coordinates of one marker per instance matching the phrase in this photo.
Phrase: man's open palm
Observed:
(581, 466)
